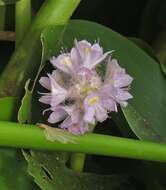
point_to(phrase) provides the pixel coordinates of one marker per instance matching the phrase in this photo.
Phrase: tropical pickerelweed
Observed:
(77, 94)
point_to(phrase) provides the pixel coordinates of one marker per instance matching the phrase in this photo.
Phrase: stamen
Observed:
(87, 51)
(67, 61)
(93, 100)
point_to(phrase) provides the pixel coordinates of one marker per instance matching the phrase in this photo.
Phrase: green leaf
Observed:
(148, 88)
(13, 173)
(51, 39)
(9, 105)
(145, 46)
(50, 173)
(4, 2)
(24, 113)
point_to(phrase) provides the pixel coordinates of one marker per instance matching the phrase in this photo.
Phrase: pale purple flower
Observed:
(89, 55)
(79, 128)
(65, 63)
(58, 114)
(57, 93)
(83, 55)
(94, 109)
(72, 119)
(74, 123)
(117, 76)
(116, 83)
(83, 85)
(61, 112)
(77, 95)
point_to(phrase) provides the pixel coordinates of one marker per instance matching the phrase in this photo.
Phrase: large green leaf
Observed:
(13, 173)
(145, 46)
(50, 173)
(149, 86)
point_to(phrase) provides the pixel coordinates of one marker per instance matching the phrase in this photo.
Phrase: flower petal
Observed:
(59, 94)
(46, 99)
(102, 58)
(123, 81)
(45, 82)
(89, 115)
(63, 62)
(117, 76)
(57, 115)
(101, 114)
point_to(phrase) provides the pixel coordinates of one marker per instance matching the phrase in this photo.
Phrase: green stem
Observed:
(2, 17)
(21, 135)
(23, 19)
(77, 161)
(26, 58)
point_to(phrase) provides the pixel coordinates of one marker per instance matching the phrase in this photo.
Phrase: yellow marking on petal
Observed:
(85, 89)
(67, 61)
(87, 50)
(93, 100)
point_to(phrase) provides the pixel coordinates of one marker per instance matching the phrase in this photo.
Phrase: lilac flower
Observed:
(58, 114)
(77, 94)
(83, 55)
(89, 55)
(57, 95)
(83, 85)
(65, 63)
(94, 110)
(116, 75)
(116, 83)
(75, 125)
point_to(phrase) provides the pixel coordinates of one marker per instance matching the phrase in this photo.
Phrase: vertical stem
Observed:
(2, 17)
(77, 161)
(23, 19)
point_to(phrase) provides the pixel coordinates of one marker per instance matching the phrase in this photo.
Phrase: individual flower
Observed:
(78, 95)
(58, 93)
(83, 56)
(116, 83)
(88, 55)
(74, 123)
(94, 109)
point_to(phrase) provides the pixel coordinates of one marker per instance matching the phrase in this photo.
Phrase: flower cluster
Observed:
(78, 96)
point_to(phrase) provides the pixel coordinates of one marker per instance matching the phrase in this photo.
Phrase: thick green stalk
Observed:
(77, 161)
(23, 19)
(26, 58)
(30, 136)
(2, 17)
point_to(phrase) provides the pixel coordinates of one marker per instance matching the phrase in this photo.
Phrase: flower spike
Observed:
(77, 95)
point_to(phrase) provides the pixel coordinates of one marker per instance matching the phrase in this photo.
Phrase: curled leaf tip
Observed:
(55, 134)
